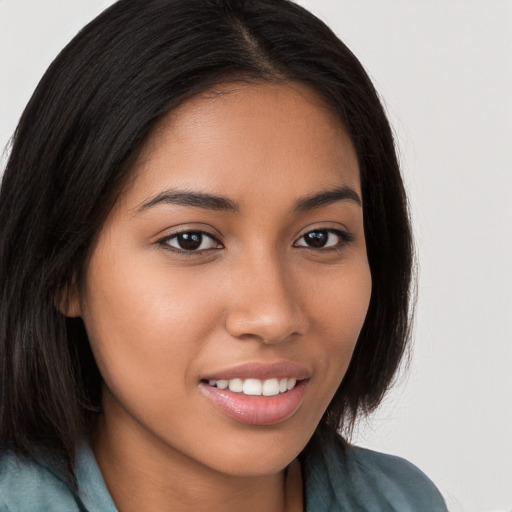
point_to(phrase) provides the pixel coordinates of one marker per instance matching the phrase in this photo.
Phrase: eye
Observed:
(191, 241)
(324, 239)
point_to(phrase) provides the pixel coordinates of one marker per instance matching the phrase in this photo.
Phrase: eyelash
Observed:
(165, 242)
(344, 238)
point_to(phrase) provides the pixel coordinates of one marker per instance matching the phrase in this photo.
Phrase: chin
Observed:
(264, 456)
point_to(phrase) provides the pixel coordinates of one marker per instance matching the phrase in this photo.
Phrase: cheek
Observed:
(146, 327)
(341, 305)
(342, 298)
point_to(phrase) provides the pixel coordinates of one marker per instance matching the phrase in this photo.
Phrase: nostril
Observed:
(268, 328)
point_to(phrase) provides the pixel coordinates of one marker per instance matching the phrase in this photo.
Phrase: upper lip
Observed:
(261, 370)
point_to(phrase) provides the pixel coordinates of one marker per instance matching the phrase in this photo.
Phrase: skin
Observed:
(160, 319)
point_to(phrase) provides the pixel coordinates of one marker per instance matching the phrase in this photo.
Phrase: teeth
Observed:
(252, 387)
(236, 385)
(270, 387)
(255, 387)
(222, 384)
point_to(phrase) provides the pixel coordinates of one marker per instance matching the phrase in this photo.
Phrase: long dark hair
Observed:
(71, 155)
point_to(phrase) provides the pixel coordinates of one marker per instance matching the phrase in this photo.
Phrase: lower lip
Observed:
(257, 410)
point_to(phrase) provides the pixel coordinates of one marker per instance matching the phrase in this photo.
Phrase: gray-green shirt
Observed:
(356, 480)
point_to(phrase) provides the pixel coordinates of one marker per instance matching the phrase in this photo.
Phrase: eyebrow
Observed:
(326, 198)
(219, 203)
(193, 199)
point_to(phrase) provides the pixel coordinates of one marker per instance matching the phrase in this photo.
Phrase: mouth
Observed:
(255, 387)
(257, 394)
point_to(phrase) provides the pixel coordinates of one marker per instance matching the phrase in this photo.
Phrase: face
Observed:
(227, 288)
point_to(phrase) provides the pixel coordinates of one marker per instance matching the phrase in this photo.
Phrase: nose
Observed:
(264, 301)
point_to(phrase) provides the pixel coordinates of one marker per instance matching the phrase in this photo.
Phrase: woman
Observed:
(205, 264)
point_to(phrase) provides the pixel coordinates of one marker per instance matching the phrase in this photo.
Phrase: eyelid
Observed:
(163, 241)
(345, 237)
(186, 227)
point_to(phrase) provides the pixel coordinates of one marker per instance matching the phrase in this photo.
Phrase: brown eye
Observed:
(316, 238)
(192, 241)
(324, 239)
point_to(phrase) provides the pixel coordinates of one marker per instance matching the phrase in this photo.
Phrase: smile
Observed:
(257, 393)
(256, 408)
(256, 387)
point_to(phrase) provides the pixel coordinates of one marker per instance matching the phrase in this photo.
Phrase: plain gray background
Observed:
(443, 68)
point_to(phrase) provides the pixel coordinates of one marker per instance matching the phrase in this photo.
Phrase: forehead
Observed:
(248, 141)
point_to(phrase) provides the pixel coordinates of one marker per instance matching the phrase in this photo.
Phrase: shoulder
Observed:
(34, 485)
(360, 479)
(27, 485)
(401, 480)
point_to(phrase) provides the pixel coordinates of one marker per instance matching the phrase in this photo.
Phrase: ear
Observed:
(68, 300)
